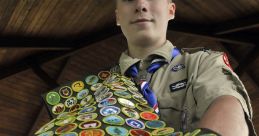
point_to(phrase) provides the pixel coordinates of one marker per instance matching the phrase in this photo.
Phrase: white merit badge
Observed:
(126, 103)
(109, 110)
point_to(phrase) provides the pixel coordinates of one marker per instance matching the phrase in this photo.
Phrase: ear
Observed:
(171, 9)
(117, 18)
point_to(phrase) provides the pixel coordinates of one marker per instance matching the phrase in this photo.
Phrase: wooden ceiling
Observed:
(47, 43)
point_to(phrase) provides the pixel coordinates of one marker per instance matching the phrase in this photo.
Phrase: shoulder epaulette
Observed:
(194, 50)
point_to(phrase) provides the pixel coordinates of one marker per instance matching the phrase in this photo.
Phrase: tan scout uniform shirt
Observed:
(189, 84)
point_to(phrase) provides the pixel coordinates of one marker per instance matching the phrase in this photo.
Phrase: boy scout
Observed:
(194, 89)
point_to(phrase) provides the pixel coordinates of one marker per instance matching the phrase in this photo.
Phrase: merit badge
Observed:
(66, 128)
(127, 81)
(139, 99)
(103, 96)
(82, 94)
(78, 86)
(155, 124)
(135, 123)
(126, 103)
(107, 102)
(52, 98)
(177, 134)
(48, 133)
(123, 94)
(70, 134)
(59, 108)
(87, 117)
(146, 115)
(118, 88)
(195, 132)
(65, 121)
(144, 107)
(139, 132)
(163, 131)
(92, 79)
(75, 108)
(109, 110)
(70, 102)
(90, 124)
(46, 127)
(104, 75)
(102, 90)
(113, 120)
(117, 131)
(87, 110)
(65, 92)
(65, 115)
(130, 112)
(92, 132)
(87, 100)
(96, 86)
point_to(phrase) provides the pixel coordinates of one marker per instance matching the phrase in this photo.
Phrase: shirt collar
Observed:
(165, 51)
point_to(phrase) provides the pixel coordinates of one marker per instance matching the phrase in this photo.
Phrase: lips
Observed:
(141, 20)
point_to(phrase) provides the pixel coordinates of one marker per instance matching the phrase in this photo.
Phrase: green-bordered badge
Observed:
(59, 108)
(96, 86)
(130, 112)
(48, 133)
(103, 96)
(66, 128)
(46, 127)
(118, 88)
(107, 102)
(87, 100)
(92, 132)
(155, 124)
(133, 89)
(66, 114)
(117, 131)
(139, 132)
(87, 110)
(75, 108)
(134, 123)
(196, 132)
(177, 134)
(104, 75)
(146, 115)
(123, 94)
(65, 121)
(52, 98)
(144, 107)
(92, 79)
(90, 124)
(139, 99)
(126, 103)
(87, 117)
(70, 102)
(78, 86)
(163, 131)
(109, 110)
(113, 120)
(82, 94)
(70, 134)
(65, 92)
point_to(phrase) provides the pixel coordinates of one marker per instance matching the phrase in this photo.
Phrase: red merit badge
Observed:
(139, 132)
(149, 115)
(226, 61)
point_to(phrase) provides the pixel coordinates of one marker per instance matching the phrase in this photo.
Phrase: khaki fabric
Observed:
(188, 84)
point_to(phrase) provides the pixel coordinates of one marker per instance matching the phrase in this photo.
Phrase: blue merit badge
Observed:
(135, 123)
(178, 67)
(178, 85)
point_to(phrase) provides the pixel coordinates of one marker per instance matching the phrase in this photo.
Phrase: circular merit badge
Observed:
(65, 115)
(65, 121)
(146, 115)
(78, 86)
(144, 107)
(107, 102)
(163, 131)
(109, 110)
(155, 124)
(113, 120)
(139, 99)
(66, 128)
(118, 88)
(117, 131)
(52, 98)
(59, 108)
(92, 79)
(92, 132)
(82, 94)
(139, 132)
(96, 86)
(65, 92)
(104, 75)
(135, 123)
(130, 112)
(75, 108)
(48, 133)
(123, 94)
(46, 127)
(70, 134)
(103, 96)
(70, 102)
(90, 124)
(126, 103)
(87, 117)
(87, 110)
(87, 100)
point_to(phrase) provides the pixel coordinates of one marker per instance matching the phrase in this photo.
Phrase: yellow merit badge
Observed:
(78, 86)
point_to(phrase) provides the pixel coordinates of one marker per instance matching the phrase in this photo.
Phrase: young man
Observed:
(194, 89)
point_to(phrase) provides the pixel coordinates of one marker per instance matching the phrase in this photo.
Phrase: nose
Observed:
(141, 6)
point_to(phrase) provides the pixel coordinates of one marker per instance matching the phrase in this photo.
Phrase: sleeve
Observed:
(215, 78)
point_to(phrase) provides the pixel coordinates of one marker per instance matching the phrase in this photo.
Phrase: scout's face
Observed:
(144, 19)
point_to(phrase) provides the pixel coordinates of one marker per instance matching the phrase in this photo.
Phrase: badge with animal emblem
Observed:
(78, 86)
(117, 131)
(82, 94)
(139, 132)
(91, 80)
(146, 115)
(65, 121)
(137, 124)
(109, 110)
(87, 117)
(123, 94)
(65, 92)
(87, 110)
(144, 107)
(70, 102)
(130, 112)
(66, 128)
(103, 75)
(163, 131)
(90, 124)
(155, 124)
(107, 102)
(46, 127)
(139, 99)
(126, 103)
(113, 120)
(92, 132)
(52, 98)
(59, 108)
